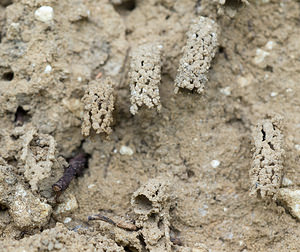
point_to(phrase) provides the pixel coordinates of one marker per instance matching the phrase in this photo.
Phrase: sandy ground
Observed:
(193, 156)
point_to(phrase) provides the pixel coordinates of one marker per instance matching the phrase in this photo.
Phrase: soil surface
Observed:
(176, 179)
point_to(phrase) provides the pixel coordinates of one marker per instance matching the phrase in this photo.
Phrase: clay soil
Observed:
(211, 209)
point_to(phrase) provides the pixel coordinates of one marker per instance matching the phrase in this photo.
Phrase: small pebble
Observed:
(286, 182)
(215, 163)
(67, 220)
(291, 200)
(58, 246)
(44, 14)
(297, 147)
(226, 91)
(273, 94)
(50, 246)
(91, 186)
(260, 56)
(203, 211)
(48, 69)
(68, 205)
(270, 45)
(125, 150)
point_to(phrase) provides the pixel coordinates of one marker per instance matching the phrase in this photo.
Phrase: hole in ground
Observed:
(21, 116)
(5, 3)
(190, 173)
(143, 202)
(234, 4)
(125, 6)
(8, 76)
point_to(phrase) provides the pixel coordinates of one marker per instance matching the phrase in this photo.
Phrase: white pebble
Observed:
(125, 150)
(297, 147)
(273, 94)
(79, 79)
(203, 212)
(226, 91)
(67, 220)
(260, 56)
(286, 182)
(48, 69)
(91, 186)
(215, 163)
(68, 205)
(270, 45)
(229, 236)
(44, 14)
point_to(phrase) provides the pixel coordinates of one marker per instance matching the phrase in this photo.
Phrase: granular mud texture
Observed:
(197, 151)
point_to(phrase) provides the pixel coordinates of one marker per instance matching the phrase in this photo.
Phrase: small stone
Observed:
(297, 147)
(67, 220)
(273, 94)
(203, 211)
(13, 31)
(286, 182)
(231, 12)
(91, 186)
(58, 246)
(215, 163)
(48, 69)
(44, 14)
(50, 246)
(270, 45)
(200, 247)
(291, 200)
(226, 91)
(260, 56)
(27, 210)
(67, 206)
(125, 150)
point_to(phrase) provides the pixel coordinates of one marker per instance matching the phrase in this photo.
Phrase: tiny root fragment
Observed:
(75, 168)
(121, 224)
